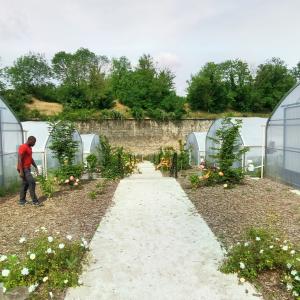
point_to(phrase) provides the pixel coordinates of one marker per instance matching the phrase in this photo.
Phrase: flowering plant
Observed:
(261, 251)
(51, 262)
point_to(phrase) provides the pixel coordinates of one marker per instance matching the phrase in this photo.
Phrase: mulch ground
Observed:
(257, 203)
(68, 212)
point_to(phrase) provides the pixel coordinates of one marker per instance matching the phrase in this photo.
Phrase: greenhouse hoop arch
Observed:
(283, 139)
(195, 145)
(42, 154)
(90, 142)
(9, 152)
(251, 135)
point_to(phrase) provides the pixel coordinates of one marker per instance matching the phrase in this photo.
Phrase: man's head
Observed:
(31, 141)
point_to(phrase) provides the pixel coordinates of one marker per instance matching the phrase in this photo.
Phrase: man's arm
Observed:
(20, 164)
(35, 166)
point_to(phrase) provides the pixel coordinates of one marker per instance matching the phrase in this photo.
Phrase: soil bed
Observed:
(257, 203)
(68, 212)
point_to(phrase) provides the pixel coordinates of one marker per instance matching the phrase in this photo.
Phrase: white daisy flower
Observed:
(242, 280)
(288, 265)
(66, 281)
(61, 246)
(294, 272)
(289, 287)
(69, 237)
(5, 272)
(297, 278)
(293, 252)
(242, 265)
(45, 279)
(261, 251)
(3, 258)
(295, 294)
(49, 250)
(246, 244)
(22, 240)
(50, 239)
(32, 256)
(285, 248)
(257, 238)
(24, 271)
(271, 247)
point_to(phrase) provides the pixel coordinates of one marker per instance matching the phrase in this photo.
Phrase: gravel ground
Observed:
(256, 203)
(68, 212)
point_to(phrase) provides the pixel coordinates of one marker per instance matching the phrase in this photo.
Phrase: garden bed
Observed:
(68, 212)
(256, 203)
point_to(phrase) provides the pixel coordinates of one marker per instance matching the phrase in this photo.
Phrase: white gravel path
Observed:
(153, 245)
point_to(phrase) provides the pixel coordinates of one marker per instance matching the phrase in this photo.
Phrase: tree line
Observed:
(84, 80)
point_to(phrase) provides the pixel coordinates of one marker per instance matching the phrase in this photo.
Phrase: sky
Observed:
(181, 35)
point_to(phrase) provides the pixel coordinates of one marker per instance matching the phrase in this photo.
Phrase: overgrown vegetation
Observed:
(224, 166)
(86, 81)
(261, 251)
(115, 162)
(46, 266)
(169, 159)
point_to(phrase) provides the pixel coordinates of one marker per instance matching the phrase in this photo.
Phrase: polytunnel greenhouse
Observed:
(11, 137)
(283, 140)
(41, 152)
(251, 135)
(91, 143)
(195, 144)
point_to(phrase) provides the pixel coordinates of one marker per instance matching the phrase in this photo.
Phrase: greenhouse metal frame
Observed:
(11, 137)
(283, 140)
(195, 144)
(251, 135)
(41, 153)
(91, 143)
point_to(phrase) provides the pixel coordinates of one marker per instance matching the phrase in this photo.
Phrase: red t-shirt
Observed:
(26, 151)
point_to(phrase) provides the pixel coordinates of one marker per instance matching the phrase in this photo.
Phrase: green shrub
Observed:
(114, 162)
(49, 185)
(138, 113)
(92, 195)
(62, 143)
(92, 161)
(46, 264)
(69, 174)
(261, 251)
(111, 114)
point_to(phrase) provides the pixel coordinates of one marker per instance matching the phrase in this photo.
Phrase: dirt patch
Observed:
(256, 203)
(68, 212)
(46, 108)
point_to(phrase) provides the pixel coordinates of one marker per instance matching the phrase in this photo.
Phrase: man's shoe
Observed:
(36, 203)
(22, 203)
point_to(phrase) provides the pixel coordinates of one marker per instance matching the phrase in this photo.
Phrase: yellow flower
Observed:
(221, 173)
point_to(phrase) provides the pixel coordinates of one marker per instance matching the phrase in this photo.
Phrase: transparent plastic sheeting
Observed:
(252, 135)
(11, 138)
(90, 143)
(283, 140)
(42, 154)
(195, 144)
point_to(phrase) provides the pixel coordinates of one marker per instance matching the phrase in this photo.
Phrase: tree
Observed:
(238, 81)
(273, 80)
(29, 72)
(296, 71)
(206, 90)
(144, 87)
(83, 83)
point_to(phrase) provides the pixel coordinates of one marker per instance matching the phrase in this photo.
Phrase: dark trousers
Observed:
(28, 182)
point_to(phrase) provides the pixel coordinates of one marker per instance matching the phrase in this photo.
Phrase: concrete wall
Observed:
(146, 136)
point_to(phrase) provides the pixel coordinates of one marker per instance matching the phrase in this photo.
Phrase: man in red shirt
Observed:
(25, 161)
